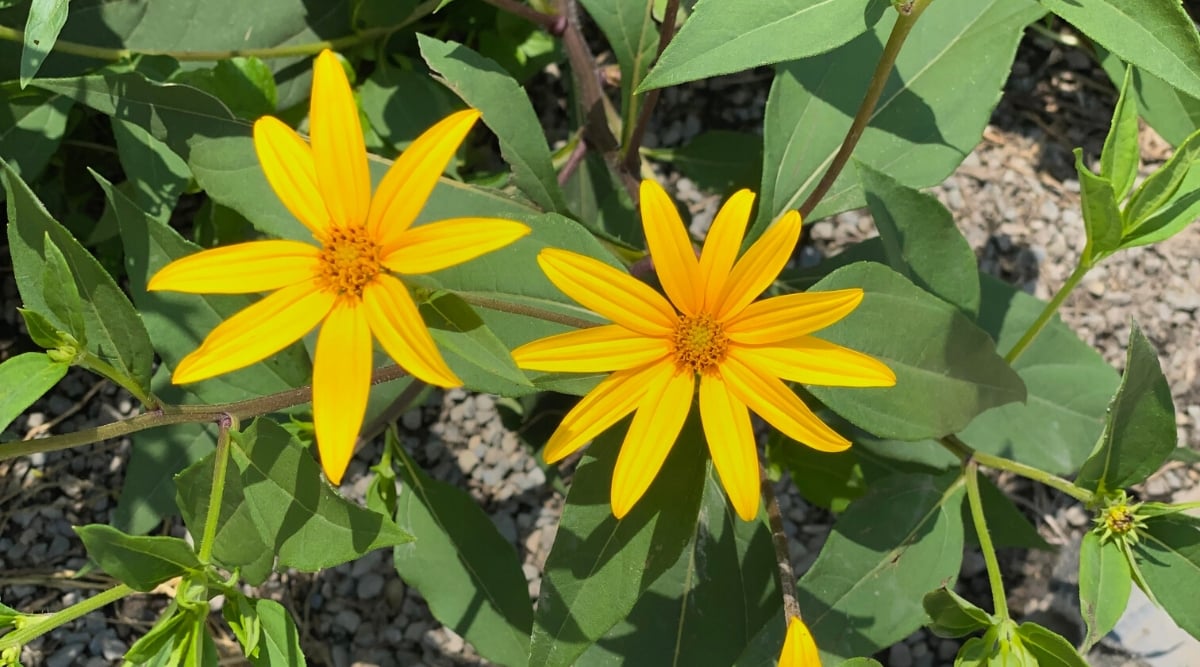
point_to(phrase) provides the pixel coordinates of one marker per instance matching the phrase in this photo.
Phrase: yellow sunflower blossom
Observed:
(799, 649)
(345, 283)
(710, 328)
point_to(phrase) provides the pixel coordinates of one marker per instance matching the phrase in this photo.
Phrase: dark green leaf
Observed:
(401, 104)
(720, 161)
(157, 174)
(157, 455)
(32, 123)
(829, 480)
(1101, 216)
(23, 380)
(139, 562)
(1049, 648)
(1160, 187)
(1139, 433)
(1104, 585)
(629, 27)
(1168, 556)
(280, 643)
(952, 615)
(473, 352)
(947, 370)
(60, 292)
(1121, 155)
(46, 19)
(245, 85)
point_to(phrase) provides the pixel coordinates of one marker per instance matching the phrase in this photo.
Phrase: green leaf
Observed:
(825, 479)
(953, 615)
(60, 292)
(933, 108)
(708, 606)
(157, 174)
(1049, 648)
(245, 85)
(32, 123)
(599, 566)
(887, 550)
(629, 27)
(1173, 114)
(947, 370)
(1069, 387)
(475, 354)
(401, 104)
(1102, 218)
(921, 241)
(467, 572)
(1180, 212)
(1160, 187)
(1121, 155)
(721, 37)
(280, 643)
(1168, 556)
(1104, 585)
(720, 161)
(1158, 37)
(506, 109)
(861, 662)
(1139, 433)
(115, 332)
(46, 19)
(23, 380)
(307, 523)
(139, 562)
(43, 332)
(169, 630)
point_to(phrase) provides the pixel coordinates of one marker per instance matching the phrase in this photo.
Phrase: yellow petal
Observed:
(256, 332)
(779, 406)
(410, 181)
(731, 444)
(670, 248)
(603, 406)
(341, 383)
(396, 322)
(440, 245)
(288, 163)
(722, 244)
(257, 266)
(337, 143)
(781, 318)
(814, 361)
(598, 349)
(610, 292)
(660, 416)
(799, 649)
(759, 267)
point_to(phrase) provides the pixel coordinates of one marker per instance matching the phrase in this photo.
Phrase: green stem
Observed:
(220, 465)
(965, 452)
(46, 623)
(528, 311)
(1080, 271)
(995, 580)
(883, 69)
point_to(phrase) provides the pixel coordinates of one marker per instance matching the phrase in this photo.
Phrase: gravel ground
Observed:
(1016, 200)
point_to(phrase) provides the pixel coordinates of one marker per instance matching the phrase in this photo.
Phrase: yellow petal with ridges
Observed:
(341, 384)
(403, 191)
(287, 162)
(256, 332)
(731, 444)
(396, 322)
(782, 318)
(759, 267)
(722, 244)
(799, 649)
(337, 143)
(242, 268)
(670, 248)
(443, 244)
(608, 291)
(616, 396)
(660, 416)
(598, 349)
(811, 360)
(779, 405)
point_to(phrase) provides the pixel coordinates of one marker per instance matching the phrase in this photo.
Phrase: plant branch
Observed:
(528, 311)
(1048, 312)
(634, 138)
(883, 69)
(573, 161)
(967, 453)
(783, 559)
(220, 465)
(39, 625)
(995, 579)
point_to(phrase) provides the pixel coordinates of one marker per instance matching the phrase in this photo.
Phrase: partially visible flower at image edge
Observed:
(710, 327)
(799, 649)
(345, 282)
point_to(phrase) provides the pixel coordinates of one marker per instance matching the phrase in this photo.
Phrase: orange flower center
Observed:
(699, 343)
(349, 261)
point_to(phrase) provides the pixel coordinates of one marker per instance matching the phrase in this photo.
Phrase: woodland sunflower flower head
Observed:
(346, 282)
(708, 330)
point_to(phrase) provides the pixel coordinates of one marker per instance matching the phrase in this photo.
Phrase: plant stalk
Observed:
(528, 311)
(1051, 308)
(783, 559)
(220, 465)
(995, 580)
(48, 622)
(966, 453)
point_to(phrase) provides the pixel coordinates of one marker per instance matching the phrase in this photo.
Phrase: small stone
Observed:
(112, 648)
(66, 656)
(348, 620)
(1076, 516)
(369, 586)
(393, 592)
(900, 655)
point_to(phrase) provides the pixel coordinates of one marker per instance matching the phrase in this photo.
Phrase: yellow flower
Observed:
(345, 282)
(709, 329)
(799, 649)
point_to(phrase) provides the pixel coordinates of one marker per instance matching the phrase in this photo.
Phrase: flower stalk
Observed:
(220, 465)
(995, 580)
(39, 625)
(783, 558)
(1048, 312)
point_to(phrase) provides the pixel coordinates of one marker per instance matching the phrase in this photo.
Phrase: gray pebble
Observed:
(900, 655)
(348, 620)
(66, 656)
(369, 586)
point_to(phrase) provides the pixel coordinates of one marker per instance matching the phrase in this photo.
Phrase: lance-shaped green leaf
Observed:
(600, 566)
(61, 293)
(32, 123)
(720, 161)
(1158, 37)
(467, 572)
(115, 333)
(1180, 212)
(309, 525)
(921, 241)
(157, 174)
(629, 27)
(474, 353)
(902, 540)
(1120, 156)
(947, 369)
(279, 644)
(1049, 648)
(506, 109)
(23, 380)
(1168, 556)
(1104, 585)
(723, 36)
(1102, 218)
(245, 85)
(137, 561)
(46, 19)
(952, 615)
(1140, 431)
(1160, 187)
(1171, 112)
